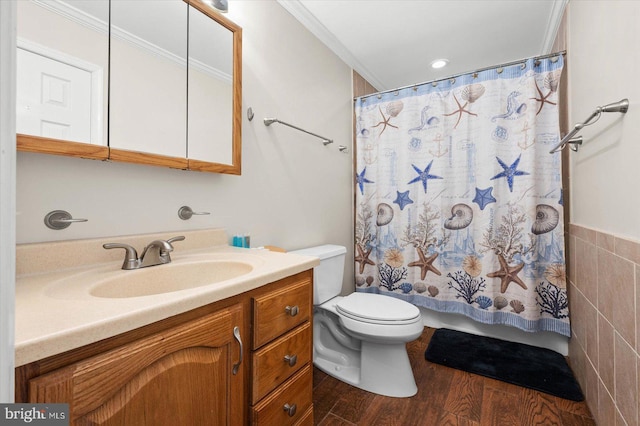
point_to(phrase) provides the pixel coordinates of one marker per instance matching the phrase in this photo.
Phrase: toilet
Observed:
(360, 338)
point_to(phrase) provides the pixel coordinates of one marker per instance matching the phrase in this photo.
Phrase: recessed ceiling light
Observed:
(439, 63)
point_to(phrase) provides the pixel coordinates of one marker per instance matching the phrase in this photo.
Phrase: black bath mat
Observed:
(536, 368)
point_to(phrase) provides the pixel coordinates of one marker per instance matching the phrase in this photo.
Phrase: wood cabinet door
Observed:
(181, 376)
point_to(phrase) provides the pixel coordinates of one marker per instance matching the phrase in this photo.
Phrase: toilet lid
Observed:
(377, 308)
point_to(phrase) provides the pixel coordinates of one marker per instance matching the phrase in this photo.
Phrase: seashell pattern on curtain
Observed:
(458, 201)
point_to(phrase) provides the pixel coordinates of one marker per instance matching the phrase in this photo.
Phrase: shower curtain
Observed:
(458, 200)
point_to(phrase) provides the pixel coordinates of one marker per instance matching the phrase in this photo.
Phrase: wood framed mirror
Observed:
(190, 119)
(215, 91)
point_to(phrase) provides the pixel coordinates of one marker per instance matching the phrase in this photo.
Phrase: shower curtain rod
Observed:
(506, 64)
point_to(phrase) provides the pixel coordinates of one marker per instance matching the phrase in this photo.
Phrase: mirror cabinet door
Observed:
(148, 85)
(62, 64)
(211, 94)
(215, 91)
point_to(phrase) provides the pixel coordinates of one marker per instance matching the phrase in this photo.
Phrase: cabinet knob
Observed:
(290, 409)
(291, 360)
(292, 310)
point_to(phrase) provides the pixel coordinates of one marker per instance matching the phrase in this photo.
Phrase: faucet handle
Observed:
(164, 248)
(130, 257)
(178, 238)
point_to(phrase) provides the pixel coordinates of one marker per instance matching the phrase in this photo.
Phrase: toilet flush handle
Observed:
(292, 310)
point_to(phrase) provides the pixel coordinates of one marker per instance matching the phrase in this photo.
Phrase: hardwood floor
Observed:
(445, 397)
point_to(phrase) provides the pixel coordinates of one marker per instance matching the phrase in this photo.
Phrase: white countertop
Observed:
(56, 313)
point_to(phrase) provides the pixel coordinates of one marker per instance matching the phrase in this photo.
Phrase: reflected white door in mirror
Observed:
(59, 96)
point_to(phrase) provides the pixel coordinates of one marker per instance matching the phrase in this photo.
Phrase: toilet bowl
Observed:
(361, 338)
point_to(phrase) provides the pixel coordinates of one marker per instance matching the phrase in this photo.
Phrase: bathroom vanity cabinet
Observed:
(181, 370)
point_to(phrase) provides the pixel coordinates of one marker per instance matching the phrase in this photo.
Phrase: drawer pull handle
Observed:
(292, 310)
(290, 409)
(236, 334)
(291, 360)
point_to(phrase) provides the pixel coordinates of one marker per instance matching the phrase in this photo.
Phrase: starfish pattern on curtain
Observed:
(458, 201)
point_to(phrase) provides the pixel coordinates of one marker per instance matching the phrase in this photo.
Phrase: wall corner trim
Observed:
(309, 21)
(555, 19)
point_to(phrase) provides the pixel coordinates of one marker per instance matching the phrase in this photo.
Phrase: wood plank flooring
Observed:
(446, 397)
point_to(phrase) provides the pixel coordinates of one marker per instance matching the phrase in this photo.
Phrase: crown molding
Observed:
(69, 12)
(74, 14)
(311, 23)
(555, 19)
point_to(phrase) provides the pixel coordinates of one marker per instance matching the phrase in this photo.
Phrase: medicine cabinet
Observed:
(154, 82)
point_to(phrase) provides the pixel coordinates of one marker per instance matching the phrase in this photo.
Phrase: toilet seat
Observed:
(378, 309)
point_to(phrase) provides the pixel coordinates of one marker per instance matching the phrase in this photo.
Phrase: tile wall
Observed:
(604, 295)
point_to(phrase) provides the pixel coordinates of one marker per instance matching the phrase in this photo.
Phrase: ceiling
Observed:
(392, 43)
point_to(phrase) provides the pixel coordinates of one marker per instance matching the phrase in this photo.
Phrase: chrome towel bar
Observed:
(270, 121)
(621, 106)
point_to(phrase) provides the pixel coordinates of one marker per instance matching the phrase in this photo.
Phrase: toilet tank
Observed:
(327, 277)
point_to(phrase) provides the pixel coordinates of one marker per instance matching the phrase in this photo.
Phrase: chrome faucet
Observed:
(155, 253)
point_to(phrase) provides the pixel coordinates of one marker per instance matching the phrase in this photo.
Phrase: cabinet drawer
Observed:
(279, 311)
(307, 418)
(288, 404)
(278, 360)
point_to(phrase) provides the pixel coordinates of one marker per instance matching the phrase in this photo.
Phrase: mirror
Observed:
(148, 85)
(210, 89)
(174, 91)
(62, 64)
(214, 95)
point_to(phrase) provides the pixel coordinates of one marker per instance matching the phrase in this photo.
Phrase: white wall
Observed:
(604, 351)
(603, 65)
(293, 191)
(7, 197)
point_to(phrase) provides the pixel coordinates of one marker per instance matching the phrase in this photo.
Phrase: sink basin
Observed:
(188, 272)
(168, 278)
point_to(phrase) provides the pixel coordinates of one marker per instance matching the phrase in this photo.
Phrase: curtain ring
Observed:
(415, 88)
(475, 75)
(395, 93)
(499, 70)
(434, 84)
(555, 59)
(523, 65)
(379, 96)
(452, 81)
(537, 63)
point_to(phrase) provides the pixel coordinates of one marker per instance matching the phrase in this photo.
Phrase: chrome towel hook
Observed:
(185, 213)
(60, 219)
